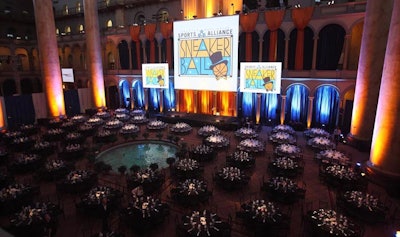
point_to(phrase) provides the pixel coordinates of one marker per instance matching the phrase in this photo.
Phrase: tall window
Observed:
(78, 7)
(65, 10)
(109, 24)
(81, 29)
(68, 29)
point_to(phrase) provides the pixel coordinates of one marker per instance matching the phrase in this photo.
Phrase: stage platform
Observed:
(198, 120)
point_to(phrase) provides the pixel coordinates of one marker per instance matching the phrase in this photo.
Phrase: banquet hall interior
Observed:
(89, 147)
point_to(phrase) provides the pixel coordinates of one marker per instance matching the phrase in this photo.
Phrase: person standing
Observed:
(104, 213)
(336, 135)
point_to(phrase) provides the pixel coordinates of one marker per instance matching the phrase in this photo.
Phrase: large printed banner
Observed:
(261, 77)
(206, 53)
(155, 75)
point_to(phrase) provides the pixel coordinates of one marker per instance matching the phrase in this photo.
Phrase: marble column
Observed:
(286, 59)
(258, 108)
(283, 107)
(385, 149)
(93, 52)
(314, 57)
(372, 53)
(177, 100)
(161, 93)
(48, 53)
(346, 51)
(310, 111)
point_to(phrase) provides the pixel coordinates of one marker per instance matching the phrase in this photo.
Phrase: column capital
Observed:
(311, 98)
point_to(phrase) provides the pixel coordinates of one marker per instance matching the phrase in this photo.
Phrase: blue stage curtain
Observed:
(248, 101)
(125, 94)
(326, 107)
(19, 110)
(71, 101)
(169, 97)
(269, 107)
(296, 104)
(154, 100)
(138, 94)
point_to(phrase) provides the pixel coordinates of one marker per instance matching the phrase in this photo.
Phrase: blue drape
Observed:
(326, 106)
(154, 100)
(125, 94)
(296, 104)
(138, 94)
(269, 107)
(71, 101)
(169, 96)
(249, 101)
(19, 110)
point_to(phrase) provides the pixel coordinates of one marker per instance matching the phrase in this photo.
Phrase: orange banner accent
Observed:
(248, 23)
(273, 19)
(135, 33)
(150, 32)
(301, 17)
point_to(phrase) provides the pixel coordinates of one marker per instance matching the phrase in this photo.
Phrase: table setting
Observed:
(283, 189)
(241, 159)
(90, 202)
(203, 153)
(156, 125)
(15, 195)
(231, 178)
(321, 143)
(283, 128)
(203, 223)
(208, 130)
(245, 132)
(182, 128)
(77, 181)
(260, 214)
(288, 150)
(282, 138)
(326, 222)
(332, 156)
(363, 206)
(190, 192)
(30, 220)
(187, 168)
(251, 145)
(216, 141)
(316, 132)
(285, 166)
(144, 213)
(139, 119)
(149, 179)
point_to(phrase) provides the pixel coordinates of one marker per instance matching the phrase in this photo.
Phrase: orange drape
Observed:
(166, 31)
(248, 23)
(226, 103)
(186, 97)
(150, 32)
(205, 104)
(135, 32)
(300, 17)
(273, 19)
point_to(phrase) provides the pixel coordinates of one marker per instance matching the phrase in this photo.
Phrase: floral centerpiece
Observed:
(208, 130)
(181, 128)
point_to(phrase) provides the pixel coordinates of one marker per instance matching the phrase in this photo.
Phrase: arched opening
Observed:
(9, 87)
(296, 105)
(26, 86)
(125, 94)
(326, 107)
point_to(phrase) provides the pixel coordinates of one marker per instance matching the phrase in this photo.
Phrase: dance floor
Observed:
(224, 203)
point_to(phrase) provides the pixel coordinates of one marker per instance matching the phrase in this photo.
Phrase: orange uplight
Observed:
(1, 117)
(99, 98)
(55, 97)
(188, 100)
(224, 105)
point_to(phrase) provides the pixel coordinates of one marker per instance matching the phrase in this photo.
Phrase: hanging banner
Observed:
(261, 77)
(206, 53)
(155, 75)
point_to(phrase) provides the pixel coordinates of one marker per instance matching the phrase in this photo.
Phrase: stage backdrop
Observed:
(155, 75)
(206, 53)
(261, 77)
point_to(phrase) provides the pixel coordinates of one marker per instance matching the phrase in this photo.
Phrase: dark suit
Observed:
(104, 211)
